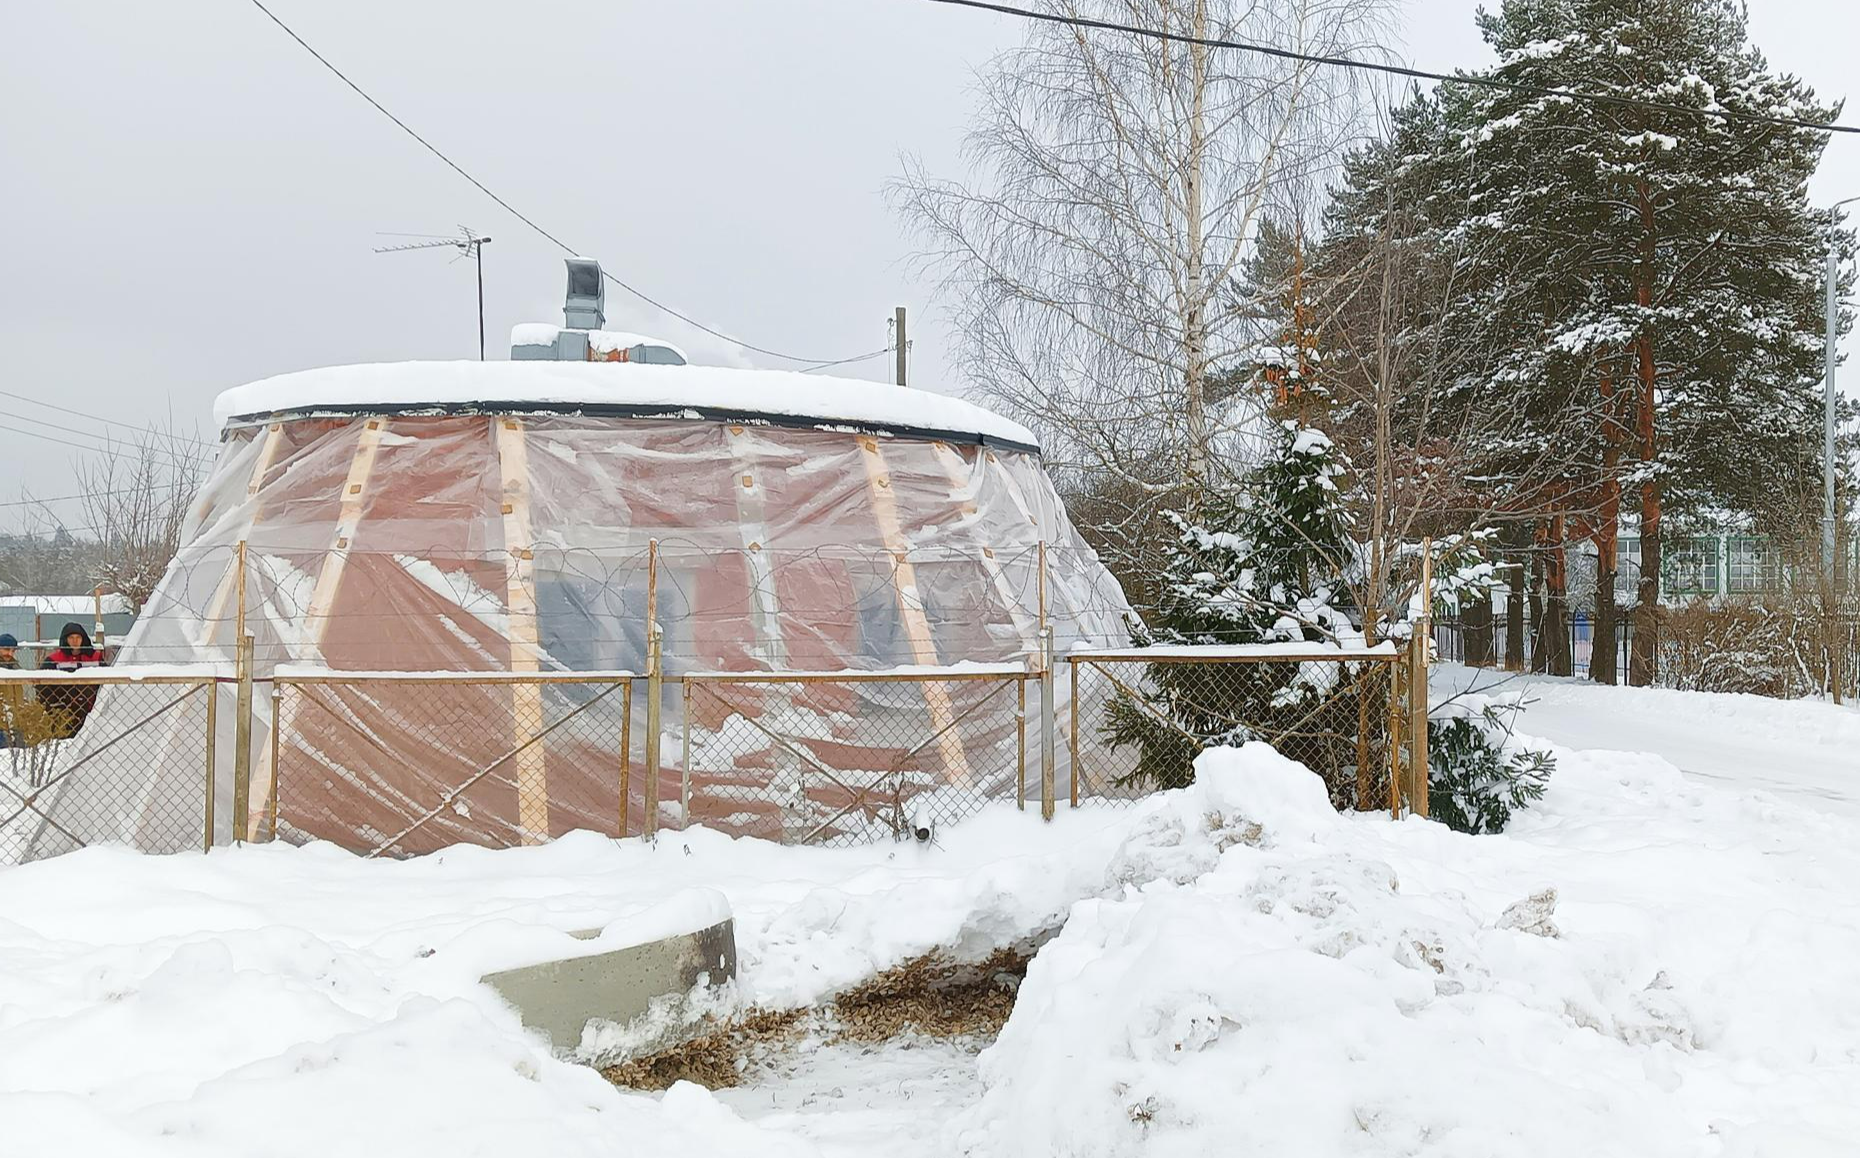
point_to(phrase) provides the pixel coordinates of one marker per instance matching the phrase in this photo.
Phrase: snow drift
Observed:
(1272, 978)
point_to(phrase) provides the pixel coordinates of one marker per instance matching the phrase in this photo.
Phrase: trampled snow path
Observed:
(893, 1099)
(1802, 750)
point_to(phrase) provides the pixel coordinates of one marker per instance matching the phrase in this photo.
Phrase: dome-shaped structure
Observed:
(518, 516)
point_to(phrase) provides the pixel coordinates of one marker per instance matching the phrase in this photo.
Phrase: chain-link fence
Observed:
(405, 763)
(1139, 718)
(402, 763)
(102, 756)
(847, 757)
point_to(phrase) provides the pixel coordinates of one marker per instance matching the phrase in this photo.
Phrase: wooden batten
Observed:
(752, 521)
(353, 500)
(230, 578)
(513, 461)
(962, 483)
(911, 610)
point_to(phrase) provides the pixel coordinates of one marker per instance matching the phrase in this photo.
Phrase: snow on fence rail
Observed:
(400, 763)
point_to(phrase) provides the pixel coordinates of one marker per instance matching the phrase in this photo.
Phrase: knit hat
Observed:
(8, 641)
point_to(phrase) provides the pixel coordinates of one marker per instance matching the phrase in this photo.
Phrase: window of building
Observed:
(1751, 566)
(1692, 567)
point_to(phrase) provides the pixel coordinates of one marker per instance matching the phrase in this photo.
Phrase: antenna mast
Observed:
(468, 243)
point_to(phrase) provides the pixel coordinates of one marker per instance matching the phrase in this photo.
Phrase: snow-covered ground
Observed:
(1802, 750)
(303, 1001)
(1242, 971)
(894, 1098)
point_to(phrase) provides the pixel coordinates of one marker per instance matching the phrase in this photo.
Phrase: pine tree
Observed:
(1648, 280)
(1677, 254)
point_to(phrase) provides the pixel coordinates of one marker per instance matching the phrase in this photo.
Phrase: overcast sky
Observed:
(189, 202)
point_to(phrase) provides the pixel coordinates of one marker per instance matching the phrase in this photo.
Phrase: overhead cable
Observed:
(518, 214)
(1395, 69)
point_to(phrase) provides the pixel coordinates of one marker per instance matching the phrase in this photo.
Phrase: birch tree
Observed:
(1089, 257)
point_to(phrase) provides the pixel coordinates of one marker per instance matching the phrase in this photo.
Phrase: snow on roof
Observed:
(73, 605)
(700, 391)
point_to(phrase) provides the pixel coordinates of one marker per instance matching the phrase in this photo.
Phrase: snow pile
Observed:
(1638, 967)
(304, 1001)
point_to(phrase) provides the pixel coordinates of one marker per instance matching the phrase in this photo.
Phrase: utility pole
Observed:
(904, 347)
(1832, 307)
(1829, 359)
(1829, 538)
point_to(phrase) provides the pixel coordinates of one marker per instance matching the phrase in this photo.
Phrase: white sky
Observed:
(188, 202)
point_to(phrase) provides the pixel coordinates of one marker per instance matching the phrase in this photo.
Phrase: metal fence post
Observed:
(684, 756)
(242, 741)
(626, 760)
(655, 689)
(1047, 724)
(213, 743)
(271, 798)
(242, 708)
(1072, 728)
(1417, 686)
(1020, 749)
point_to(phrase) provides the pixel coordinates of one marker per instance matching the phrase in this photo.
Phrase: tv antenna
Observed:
(469, 244)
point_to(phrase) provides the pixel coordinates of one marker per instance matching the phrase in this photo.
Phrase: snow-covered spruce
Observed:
(1478, 771)
(1262, 565)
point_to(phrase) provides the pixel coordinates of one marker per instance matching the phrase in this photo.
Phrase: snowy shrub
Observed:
(1740, 647)
(1477, 773)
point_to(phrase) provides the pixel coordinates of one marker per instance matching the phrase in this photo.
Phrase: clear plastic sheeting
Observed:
(546, 543)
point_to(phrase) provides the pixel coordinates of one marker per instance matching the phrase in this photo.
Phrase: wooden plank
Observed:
(963, 485)
(323, 593)
(513, 461)
(229, 579)
(751, 520)
(911, 610)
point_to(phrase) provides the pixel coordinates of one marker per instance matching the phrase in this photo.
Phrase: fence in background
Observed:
(1457, 641)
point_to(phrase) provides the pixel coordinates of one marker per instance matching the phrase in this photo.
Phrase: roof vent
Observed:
(582, 339)
(586, 305)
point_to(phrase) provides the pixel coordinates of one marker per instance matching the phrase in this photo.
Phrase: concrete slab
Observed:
(637, 995)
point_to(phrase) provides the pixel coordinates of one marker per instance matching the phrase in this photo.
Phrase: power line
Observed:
(99, 418)
(174, 459)
(70, 498)
(514, 212)
(105, 446)
(845, 361)
(1394, 69)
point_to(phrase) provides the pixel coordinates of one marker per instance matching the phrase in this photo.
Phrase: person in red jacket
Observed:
(69, 704)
